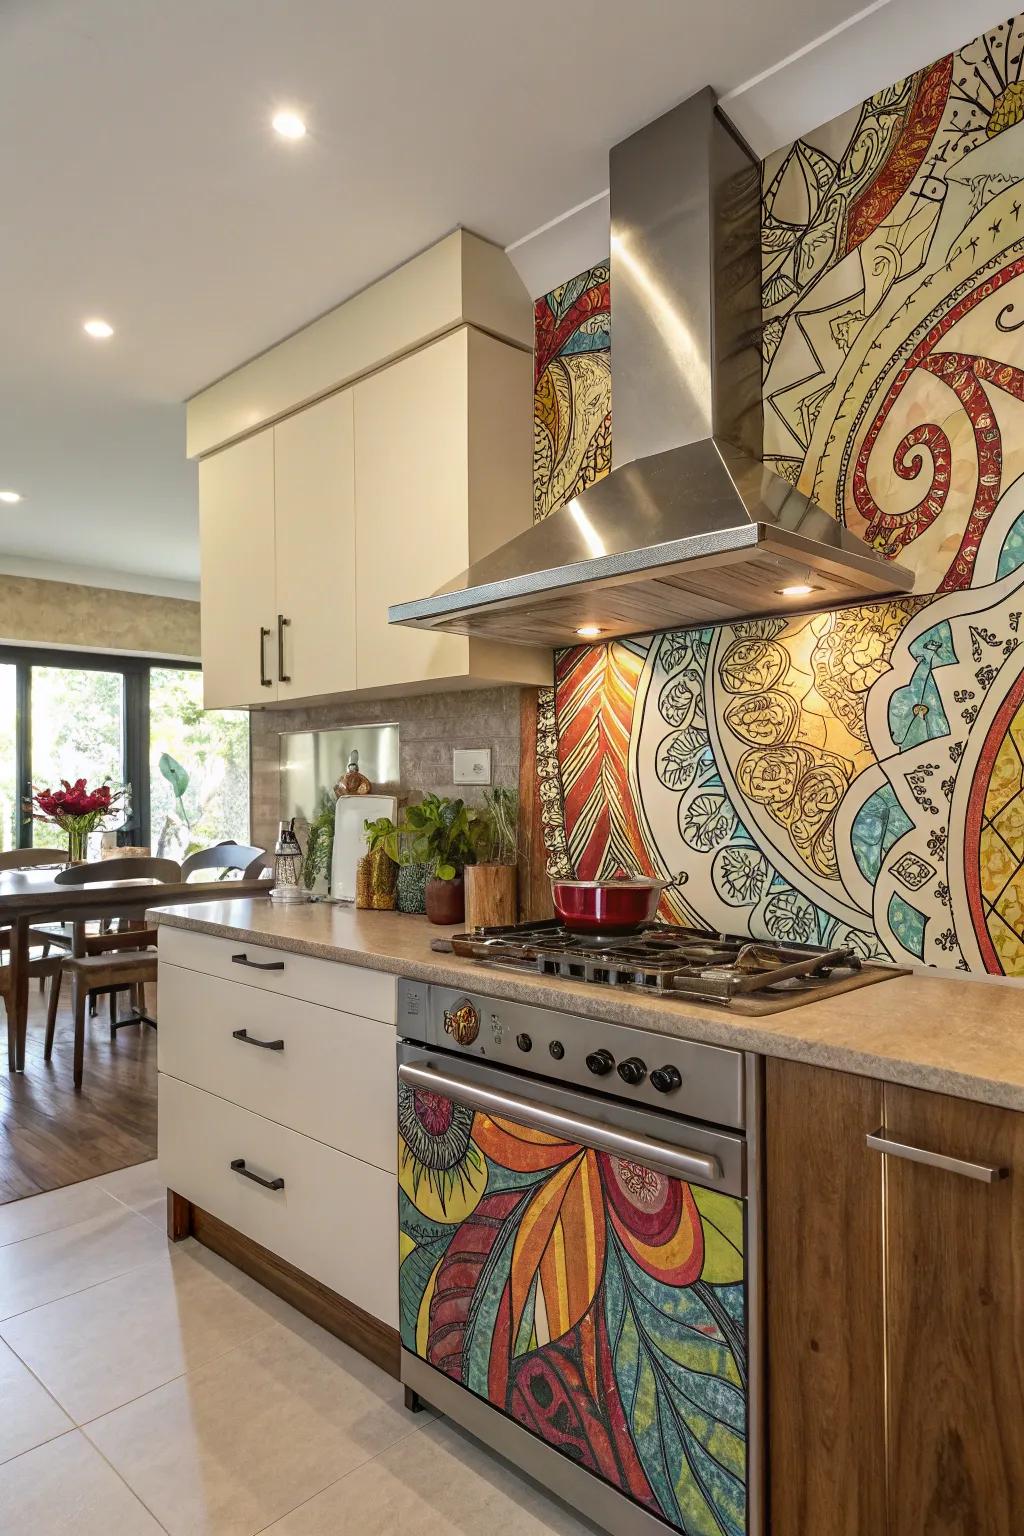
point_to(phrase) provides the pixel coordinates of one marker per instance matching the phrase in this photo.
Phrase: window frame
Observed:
(135, 672)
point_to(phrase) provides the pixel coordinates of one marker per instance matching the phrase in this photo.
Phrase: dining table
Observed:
(33, 896)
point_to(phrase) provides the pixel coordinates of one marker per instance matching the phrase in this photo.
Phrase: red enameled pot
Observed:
(607, 908)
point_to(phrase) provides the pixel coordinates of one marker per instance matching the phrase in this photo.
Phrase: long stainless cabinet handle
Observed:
(985, 1173)
(265, 681)
(675, 1162)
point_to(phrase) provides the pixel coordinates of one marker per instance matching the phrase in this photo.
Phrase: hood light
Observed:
(798, 589)
(99, 330)
(10, 497)
(589, 632)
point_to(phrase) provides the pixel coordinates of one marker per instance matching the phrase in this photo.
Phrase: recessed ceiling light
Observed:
(10, 496)
(588, 632)
(100, 329)
(798, 589)
(289, 125)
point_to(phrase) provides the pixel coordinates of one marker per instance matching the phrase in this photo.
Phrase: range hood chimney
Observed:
(689, 527)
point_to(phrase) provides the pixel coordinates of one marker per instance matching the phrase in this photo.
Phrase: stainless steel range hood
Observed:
(689, 527)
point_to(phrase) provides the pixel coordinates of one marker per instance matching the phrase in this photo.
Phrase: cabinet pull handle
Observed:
(985, 1173)
(264, 1045)
(257, 965)
(238, 1166)
(265, 681)
(282, 624)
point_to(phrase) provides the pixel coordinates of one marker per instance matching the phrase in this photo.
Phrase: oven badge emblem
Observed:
(462, 1023)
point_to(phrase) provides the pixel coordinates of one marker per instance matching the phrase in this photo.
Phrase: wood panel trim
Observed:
(534, 885)
(823, 1292)
(370, 1337)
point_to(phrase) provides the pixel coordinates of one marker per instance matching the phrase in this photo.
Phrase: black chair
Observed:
(223, 856)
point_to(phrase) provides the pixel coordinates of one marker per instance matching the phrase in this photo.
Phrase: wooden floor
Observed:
(50, 1135)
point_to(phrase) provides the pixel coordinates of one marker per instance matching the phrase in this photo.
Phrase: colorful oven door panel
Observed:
(595, 1298)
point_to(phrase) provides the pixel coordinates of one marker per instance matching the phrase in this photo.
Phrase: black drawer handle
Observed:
(238, 1166)
(264, 1045)
(258, 965)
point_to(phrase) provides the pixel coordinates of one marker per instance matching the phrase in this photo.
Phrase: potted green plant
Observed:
(443, 834)
(491, 882)
(316, 861)
(377, 870)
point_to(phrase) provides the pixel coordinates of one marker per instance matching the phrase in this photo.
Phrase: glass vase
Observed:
(78, 845)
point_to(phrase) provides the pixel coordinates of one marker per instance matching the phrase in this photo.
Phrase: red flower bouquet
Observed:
(77, 810)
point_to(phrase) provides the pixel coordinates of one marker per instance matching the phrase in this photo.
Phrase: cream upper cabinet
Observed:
(390, 446)
(315, 623)
(412, 494)
(443, 458)
(236, 538)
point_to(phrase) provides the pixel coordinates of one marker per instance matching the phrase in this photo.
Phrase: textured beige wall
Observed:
(34, 612)
(429, 728)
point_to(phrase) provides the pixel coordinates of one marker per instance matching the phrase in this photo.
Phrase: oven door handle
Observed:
(674, 1162)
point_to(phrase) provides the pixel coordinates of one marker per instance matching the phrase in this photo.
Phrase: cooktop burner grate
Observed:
(667, 960)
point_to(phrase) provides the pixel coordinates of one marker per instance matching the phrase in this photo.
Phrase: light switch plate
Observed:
(471, 765)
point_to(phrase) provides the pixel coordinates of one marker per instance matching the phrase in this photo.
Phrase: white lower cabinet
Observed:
(332, 1216)
(261, 1068)
(327, 1074)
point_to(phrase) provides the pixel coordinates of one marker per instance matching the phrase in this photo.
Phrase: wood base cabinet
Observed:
(895, 1307)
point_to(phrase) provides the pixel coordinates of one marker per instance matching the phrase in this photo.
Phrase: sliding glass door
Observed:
(74, 715)
(77, 733)
(198, 766)
(8, 756)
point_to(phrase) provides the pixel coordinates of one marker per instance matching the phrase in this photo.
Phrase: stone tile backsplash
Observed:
(430, 728)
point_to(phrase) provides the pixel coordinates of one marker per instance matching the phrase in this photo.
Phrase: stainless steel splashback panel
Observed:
(313, 761)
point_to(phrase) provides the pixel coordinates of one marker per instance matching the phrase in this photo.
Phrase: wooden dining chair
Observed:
(14, 859)
(108, 962)
(223, 856)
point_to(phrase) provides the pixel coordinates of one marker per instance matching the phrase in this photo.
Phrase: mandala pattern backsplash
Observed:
(854, 776)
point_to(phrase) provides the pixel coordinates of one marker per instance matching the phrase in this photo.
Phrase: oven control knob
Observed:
(600, 1062)
(633, 1071)
(524, 1042)
(666, 1079)
(462, 1022)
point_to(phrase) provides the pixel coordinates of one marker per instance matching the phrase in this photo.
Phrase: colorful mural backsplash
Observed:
(597, 1302)
(854, 776)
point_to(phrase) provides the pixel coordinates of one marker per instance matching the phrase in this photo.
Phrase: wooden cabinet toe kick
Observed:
(377, 1340)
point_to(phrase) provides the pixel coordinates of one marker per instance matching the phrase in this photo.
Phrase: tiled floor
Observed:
(150, 1388)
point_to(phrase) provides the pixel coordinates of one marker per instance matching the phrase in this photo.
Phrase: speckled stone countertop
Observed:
(954, 1035)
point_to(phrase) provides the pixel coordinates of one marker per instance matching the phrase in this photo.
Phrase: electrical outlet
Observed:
(471, 766)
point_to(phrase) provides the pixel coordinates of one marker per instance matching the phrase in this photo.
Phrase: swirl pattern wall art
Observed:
(853, 776)
(597, 1302)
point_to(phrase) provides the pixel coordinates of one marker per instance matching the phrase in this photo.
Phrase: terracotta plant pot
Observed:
(491, 891)
(446, 900)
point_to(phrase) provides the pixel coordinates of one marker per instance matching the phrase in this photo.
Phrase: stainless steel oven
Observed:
(579, 1248)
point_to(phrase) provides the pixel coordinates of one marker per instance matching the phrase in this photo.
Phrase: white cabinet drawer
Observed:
(352, 988)
(335, 1218)
(332, 1078)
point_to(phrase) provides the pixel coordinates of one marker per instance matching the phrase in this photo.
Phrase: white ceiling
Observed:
(141, 182)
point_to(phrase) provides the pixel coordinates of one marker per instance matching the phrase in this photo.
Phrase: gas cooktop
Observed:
(671, 961)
